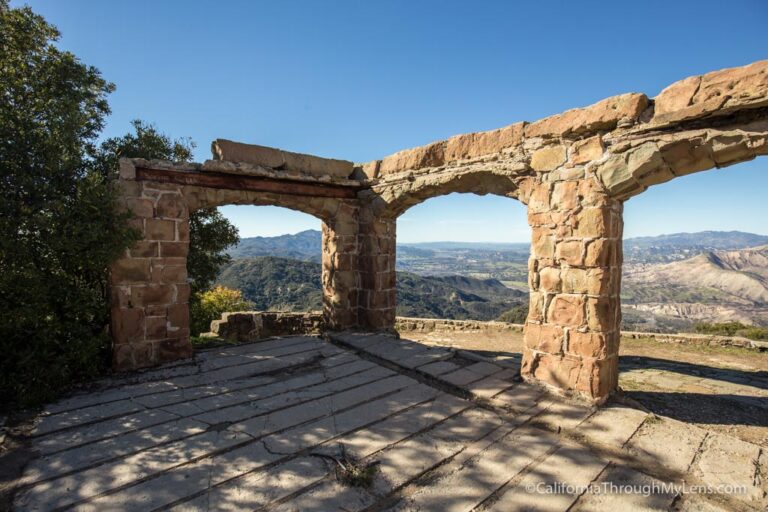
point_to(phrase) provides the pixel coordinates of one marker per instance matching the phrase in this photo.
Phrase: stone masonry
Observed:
(573, 171)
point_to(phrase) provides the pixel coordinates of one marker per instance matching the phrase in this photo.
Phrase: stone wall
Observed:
(573, 171)
(255, 325)
(404, 325)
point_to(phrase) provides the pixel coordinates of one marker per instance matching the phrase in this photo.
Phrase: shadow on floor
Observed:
(704, 408)
(757, 379)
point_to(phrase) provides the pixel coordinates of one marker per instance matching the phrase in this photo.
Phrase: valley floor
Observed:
(721, 389)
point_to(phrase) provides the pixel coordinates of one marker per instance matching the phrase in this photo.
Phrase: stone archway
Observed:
(572, 170)
(148, 285)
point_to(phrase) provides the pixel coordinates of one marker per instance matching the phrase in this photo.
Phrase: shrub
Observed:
(210, 305)
(516, 315)
(59, 228)
(733, 329)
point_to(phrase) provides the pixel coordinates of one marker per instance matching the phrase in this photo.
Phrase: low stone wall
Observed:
(698, 339)
(407, 324)
(255, 325)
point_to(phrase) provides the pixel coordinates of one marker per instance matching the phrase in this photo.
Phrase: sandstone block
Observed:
(688, 156)
(127, 169)
(570, 252)
(144, 249)
(160, 229)
(543, 243)
(599, 281)
(574, 280)
(431, 155)
(587, 150)
(182, 230)
(549, 279)
(587, 344)
(170, 205)
(477, 144)
(127, 325)
(602, 313)
(717, 93)
(156, 328)
(566, 310)
(594, 222)
(174, 249)
(565, 195)
(130, 270)
(602, 116)
(178, 316)
(140, 207)
(548, 158)
(538, 201)
(152, 295)
(536, 304)
(545, 338)
(278, 159)
(616, 176)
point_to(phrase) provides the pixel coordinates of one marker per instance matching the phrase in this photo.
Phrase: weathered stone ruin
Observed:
(573, 171)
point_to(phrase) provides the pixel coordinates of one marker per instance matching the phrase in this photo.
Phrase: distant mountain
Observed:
(487, 246)
(290, 285)
(714, 286)
(305, 246)
(680, 246)
(709, 239)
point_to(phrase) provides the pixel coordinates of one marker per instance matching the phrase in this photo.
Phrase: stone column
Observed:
(148, 284)
(572, 330)
(340, 277)
(378, 294)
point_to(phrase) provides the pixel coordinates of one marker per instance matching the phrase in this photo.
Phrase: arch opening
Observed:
(272, 277)
(463, 257)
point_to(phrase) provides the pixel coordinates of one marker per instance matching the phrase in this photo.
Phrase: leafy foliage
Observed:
(144, 142)
(210, 233)
(516, 315)
(59, 228)
(211, 304)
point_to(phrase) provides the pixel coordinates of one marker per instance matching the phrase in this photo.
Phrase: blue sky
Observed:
(361, 79)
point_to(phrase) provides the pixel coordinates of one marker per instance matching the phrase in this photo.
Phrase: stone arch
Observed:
(573, 171)
(149, 286)
(399, 196)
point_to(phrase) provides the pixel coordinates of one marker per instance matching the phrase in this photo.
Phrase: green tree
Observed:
(210, 233)
(59, 228)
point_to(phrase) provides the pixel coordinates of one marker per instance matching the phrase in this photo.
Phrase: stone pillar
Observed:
(378, 294)
(572, 330)
(148, 284)
(340, 278)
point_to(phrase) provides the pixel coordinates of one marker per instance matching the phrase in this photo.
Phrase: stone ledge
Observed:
(274, 158)
(129, 166)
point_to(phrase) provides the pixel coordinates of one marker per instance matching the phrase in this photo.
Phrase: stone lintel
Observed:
(240, 182)
(274, 158)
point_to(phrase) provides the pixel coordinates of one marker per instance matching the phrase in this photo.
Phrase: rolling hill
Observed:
(283, 284)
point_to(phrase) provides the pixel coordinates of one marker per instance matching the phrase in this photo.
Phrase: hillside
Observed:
(714, 286)
(290, 285)
(432, 257)
(679, 246)
(305, 246)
